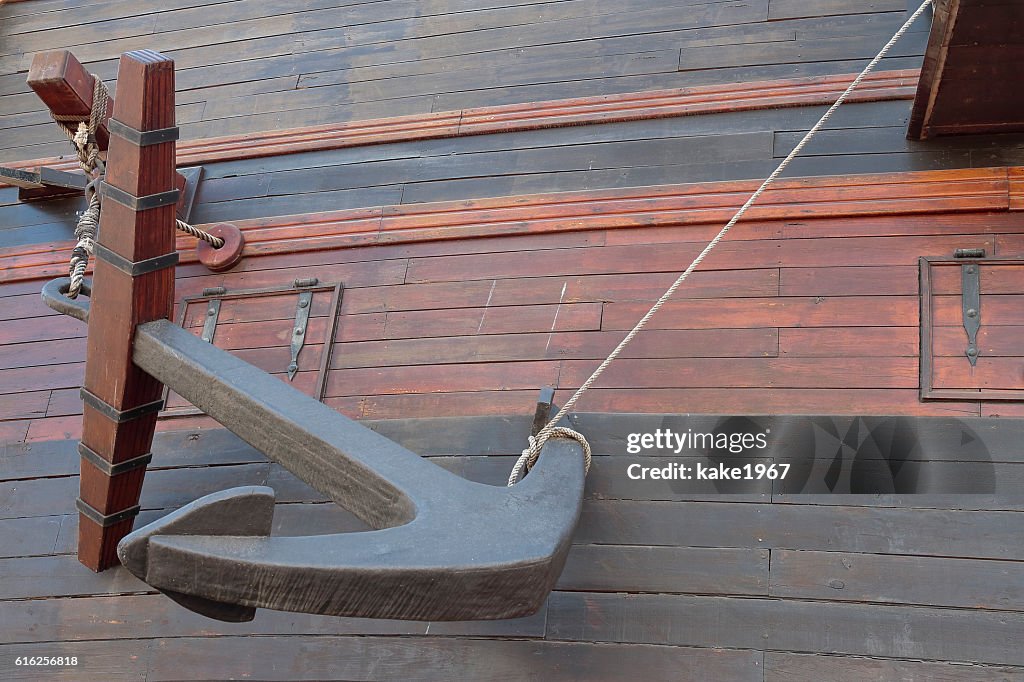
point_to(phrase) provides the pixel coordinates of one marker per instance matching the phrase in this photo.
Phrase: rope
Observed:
(531, 453)
(83, 139)
(81, 131)
(529, 456)
(215, 242)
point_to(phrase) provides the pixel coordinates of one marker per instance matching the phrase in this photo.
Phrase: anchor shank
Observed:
(368, 474)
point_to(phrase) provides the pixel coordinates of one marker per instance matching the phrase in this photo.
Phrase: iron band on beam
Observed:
(120, 416)
(141, 138)
(105, 520)
(135, 268)
(109, 468)
(168, 198)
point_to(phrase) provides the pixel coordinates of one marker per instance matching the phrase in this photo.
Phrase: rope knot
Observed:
(531, 453)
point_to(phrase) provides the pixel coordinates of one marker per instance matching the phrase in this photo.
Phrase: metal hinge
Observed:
(301, 322)
(970, 290)
(210, 325)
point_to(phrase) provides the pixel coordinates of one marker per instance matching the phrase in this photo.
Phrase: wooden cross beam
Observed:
(134, 272)
(66, 88)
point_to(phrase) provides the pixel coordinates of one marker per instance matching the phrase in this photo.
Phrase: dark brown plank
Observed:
(835, 576)
(861, 629)
(811, 668)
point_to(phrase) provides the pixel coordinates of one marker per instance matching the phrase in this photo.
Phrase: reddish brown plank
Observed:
(988, 373)
(996, 310)
(843, 342)
(995, 279)
(466, 403)
(494, 320)
(992, 340)
(504, 376)
(546, 346)
(894, 280)
(839, 311)
(768, 401)
(728, 255)
(849, 372)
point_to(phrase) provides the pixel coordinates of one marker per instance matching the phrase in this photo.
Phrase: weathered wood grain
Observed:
(835, 576)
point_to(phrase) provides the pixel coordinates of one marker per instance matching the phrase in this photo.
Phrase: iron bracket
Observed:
(299, 331)
(210, 323)
(970, 290)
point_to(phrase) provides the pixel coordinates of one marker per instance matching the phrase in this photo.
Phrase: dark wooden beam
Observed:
(66, 88)
(973, 67)
(119, 416)
(64, 85)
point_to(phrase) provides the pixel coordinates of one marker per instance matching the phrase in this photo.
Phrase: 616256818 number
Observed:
(46, 660)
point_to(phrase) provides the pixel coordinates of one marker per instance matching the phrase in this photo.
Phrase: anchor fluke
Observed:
(242, 511)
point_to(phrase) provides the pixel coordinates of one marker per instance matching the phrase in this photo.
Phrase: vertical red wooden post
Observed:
(133, 283)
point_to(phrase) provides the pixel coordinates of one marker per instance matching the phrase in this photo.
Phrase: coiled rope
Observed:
(529, 456)
(81, 131)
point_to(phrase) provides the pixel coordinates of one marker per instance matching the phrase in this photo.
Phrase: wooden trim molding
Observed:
(699, 204)
(631, 106)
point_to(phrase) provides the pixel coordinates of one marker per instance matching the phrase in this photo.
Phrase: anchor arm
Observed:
(449, 549)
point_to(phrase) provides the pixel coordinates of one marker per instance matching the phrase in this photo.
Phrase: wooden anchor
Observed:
(444, 548)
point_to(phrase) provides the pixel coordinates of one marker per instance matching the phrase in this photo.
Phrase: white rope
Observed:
(530, 454)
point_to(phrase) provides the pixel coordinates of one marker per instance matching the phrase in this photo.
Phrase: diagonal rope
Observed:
(81, 131)
(531, 453)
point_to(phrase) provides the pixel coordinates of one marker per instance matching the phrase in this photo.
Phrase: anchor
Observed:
(442, 548)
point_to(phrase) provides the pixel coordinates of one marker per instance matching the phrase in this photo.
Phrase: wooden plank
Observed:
(764, 400)
(836, 576)
(893, 280)
(871, 530)
(780, 666)
(838, 311)
(590, 345)
(779, 10)
(729, 255)
(494, 320)
(783, 372)
(124, 618)
(994, 341)
(29, 536)
(476, 378)
(860, 629)
(988, 373)
(23, 405)
(999, 310)
(61, 576)
(599, 568)
(387, 658)
(847, 342)
(95, 661)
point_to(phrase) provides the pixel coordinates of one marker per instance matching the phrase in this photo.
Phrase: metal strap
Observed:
(120, 416)
(109, 468)
(141, 138)
(135, 268)
(168, 198)
(105, 520)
